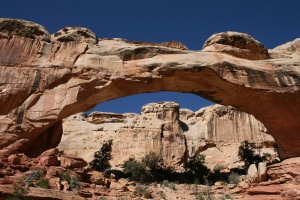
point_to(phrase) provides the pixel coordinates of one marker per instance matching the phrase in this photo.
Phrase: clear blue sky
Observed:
(272, 22)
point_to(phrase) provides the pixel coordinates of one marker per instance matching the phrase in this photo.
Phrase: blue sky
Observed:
(190, 22)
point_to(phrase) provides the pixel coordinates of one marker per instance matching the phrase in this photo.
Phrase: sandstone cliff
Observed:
(46, 78)
(174, 134)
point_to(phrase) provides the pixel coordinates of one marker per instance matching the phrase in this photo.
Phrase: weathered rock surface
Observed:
(43, 82)
(172, 133)
(289, 167)
(237, 44)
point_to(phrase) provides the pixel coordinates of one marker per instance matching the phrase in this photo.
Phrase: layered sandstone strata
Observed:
(172, 133)
(46, 78)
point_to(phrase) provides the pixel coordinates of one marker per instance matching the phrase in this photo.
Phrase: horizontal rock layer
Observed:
(43, 80)
(172, 133)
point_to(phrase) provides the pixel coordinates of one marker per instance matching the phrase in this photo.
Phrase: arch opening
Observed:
(134, 103)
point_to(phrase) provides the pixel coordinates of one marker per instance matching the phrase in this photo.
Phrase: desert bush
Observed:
(34, 175)
(172, 186)
(102, 157)
(228, 196)
(152, 161)
(19, 193)
(75, 183)
(247, 153)
(234, 178)
(142, 189)
(72, 180)
(135, 170)
(66, 176)
(43, 183)
(197, 167)
(203, 195)
(165, 183)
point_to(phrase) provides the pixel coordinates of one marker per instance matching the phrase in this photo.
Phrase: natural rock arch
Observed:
(44, 80)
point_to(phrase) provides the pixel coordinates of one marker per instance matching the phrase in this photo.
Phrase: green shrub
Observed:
(152, 161)
(75, 183)
(247, 153)
(72, 180)
(34, 175)
(172, 186)
(197, 167)
(203, 195)
(142, 189)
(135, 170)
(43, 183)
(66, 176)
(19, 193)
(102, 157)
(228, 196)
(165, 183)
(234, 178)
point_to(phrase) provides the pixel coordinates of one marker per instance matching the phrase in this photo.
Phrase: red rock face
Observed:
(43, 82)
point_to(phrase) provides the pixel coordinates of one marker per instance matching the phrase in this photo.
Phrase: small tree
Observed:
(247, 153)
(20, 192)
(197, 167)
(135, 170)
(152, 161)
(72, 180)
(102, 157)
(33, 176)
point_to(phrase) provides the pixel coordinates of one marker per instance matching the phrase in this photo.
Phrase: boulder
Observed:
(291, 193)
(50, 152)
(49, 161)
(72, 161)
(252, 174)
(54, 172)
(22, 28)
(271, 189)
(74, 34)
(237, 44)
(262, 172)
(14, 159)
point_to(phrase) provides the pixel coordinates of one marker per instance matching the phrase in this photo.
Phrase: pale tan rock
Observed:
(262, 172)
(156, 130)
(243, 185)
(136, 135)
(65, 185)
(55, 183)
(118, 186)
(98, 178)
(252, 174)
(63, 78)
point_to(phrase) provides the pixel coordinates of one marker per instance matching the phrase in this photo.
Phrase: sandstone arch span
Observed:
(47, 78)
